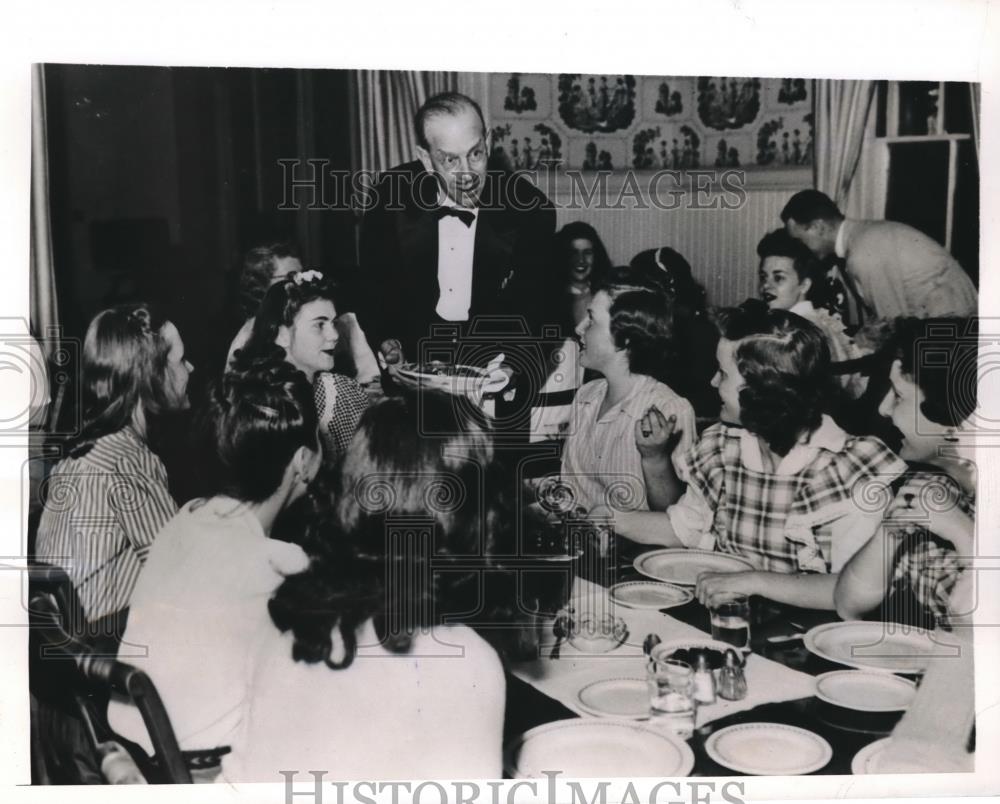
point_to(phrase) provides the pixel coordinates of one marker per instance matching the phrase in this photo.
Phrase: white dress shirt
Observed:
(456, 244)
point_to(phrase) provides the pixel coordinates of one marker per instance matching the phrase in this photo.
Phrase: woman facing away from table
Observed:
(775, 480)
(916, 557)
(201, 599)
(369, 672)
(692, 327)
(109, 498)
(296, 322)
(626, 427)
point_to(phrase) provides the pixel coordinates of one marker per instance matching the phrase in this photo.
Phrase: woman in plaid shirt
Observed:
(295, 322)
(776, 481)
(928, 532)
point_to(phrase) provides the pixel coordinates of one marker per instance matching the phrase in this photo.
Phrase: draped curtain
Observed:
(975, 103)
(43, 305)
(387, 102)
(842, 109)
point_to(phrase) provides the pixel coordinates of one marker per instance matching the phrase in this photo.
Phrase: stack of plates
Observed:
(768, 749)
(584, 748)
(682, 566)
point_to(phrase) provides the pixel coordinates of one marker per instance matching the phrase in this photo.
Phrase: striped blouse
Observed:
(600, 460)
(102, 512)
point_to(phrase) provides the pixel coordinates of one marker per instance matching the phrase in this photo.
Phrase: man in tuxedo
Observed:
(447, 240)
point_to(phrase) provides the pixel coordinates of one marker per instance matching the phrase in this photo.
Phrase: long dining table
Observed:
(780, 674)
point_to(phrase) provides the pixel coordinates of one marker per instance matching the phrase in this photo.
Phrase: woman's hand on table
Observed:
(711, 584)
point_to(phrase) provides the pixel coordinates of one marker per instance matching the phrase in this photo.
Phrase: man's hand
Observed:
(655, 435)
(711, 584)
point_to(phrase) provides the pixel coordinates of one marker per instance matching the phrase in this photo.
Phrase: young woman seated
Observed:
(776, 481)
(791, 278)
(692, 327)
(109, 498)
(202, 598)
(626, 427)
(369, 671)
(296, 322)
(911, 564)
(265, 265)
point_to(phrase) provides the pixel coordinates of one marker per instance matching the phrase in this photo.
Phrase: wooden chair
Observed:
(70, 678)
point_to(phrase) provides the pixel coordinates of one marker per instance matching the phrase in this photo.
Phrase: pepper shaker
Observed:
(732, 681)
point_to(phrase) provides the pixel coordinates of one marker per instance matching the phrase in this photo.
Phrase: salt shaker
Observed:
(732, 682)
(704, 681)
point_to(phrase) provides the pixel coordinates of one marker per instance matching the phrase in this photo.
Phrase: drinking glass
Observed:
(671, 693)
(730, 616)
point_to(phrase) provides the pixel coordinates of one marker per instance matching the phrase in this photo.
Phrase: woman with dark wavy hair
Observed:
(296, 322)
(625, 427)
(203, 592)
(933, 377)
(370, 660)
(775, 482)
(108, 499)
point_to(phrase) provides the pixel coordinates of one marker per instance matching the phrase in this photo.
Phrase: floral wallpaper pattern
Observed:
(614, 122)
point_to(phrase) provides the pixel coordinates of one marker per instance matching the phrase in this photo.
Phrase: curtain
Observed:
(43, 306)
(387, 102)
(976, 104)
(841, 115)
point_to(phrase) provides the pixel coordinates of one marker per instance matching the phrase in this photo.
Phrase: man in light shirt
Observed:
(447, 240)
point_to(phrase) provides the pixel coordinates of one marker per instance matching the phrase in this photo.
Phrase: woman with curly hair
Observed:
(108, 499)
(370, 661)
(203, 592)
(775, 482)
(625, 426)
(917, 563)
(296, 323)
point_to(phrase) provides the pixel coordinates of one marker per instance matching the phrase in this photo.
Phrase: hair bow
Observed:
(307, 276)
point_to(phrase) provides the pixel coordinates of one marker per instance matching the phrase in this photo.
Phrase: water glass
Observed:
(730, 616)
(671, 693)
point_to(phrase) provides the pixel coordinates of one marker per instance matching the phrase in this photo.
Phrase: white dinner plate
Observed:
(865, 691)
(650, 594)
(867, 759)
(683, 566)
(593, 748)
(887, 647)
(616, 697)
(768, 749)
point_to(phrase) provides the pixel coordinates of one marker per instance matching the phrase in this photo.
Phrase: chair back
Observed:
(63, 664)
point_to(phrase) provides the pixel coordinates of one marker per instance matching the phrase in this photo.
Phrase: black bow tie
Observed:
(466, 216)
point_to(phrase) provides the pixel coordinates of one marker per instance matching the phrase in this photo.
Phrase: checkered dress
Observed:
(927, 565)
(340, 401)
(781, 523)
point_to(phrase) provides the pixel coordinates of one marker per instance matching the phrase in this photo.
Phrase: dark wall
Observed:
(162, 177)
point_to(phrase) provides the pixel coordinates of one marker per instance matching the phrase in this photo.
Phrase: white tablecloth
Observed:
(562, 678)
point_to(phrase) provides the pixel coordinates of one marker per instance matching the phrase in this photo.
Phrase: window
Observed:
(933, 169)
